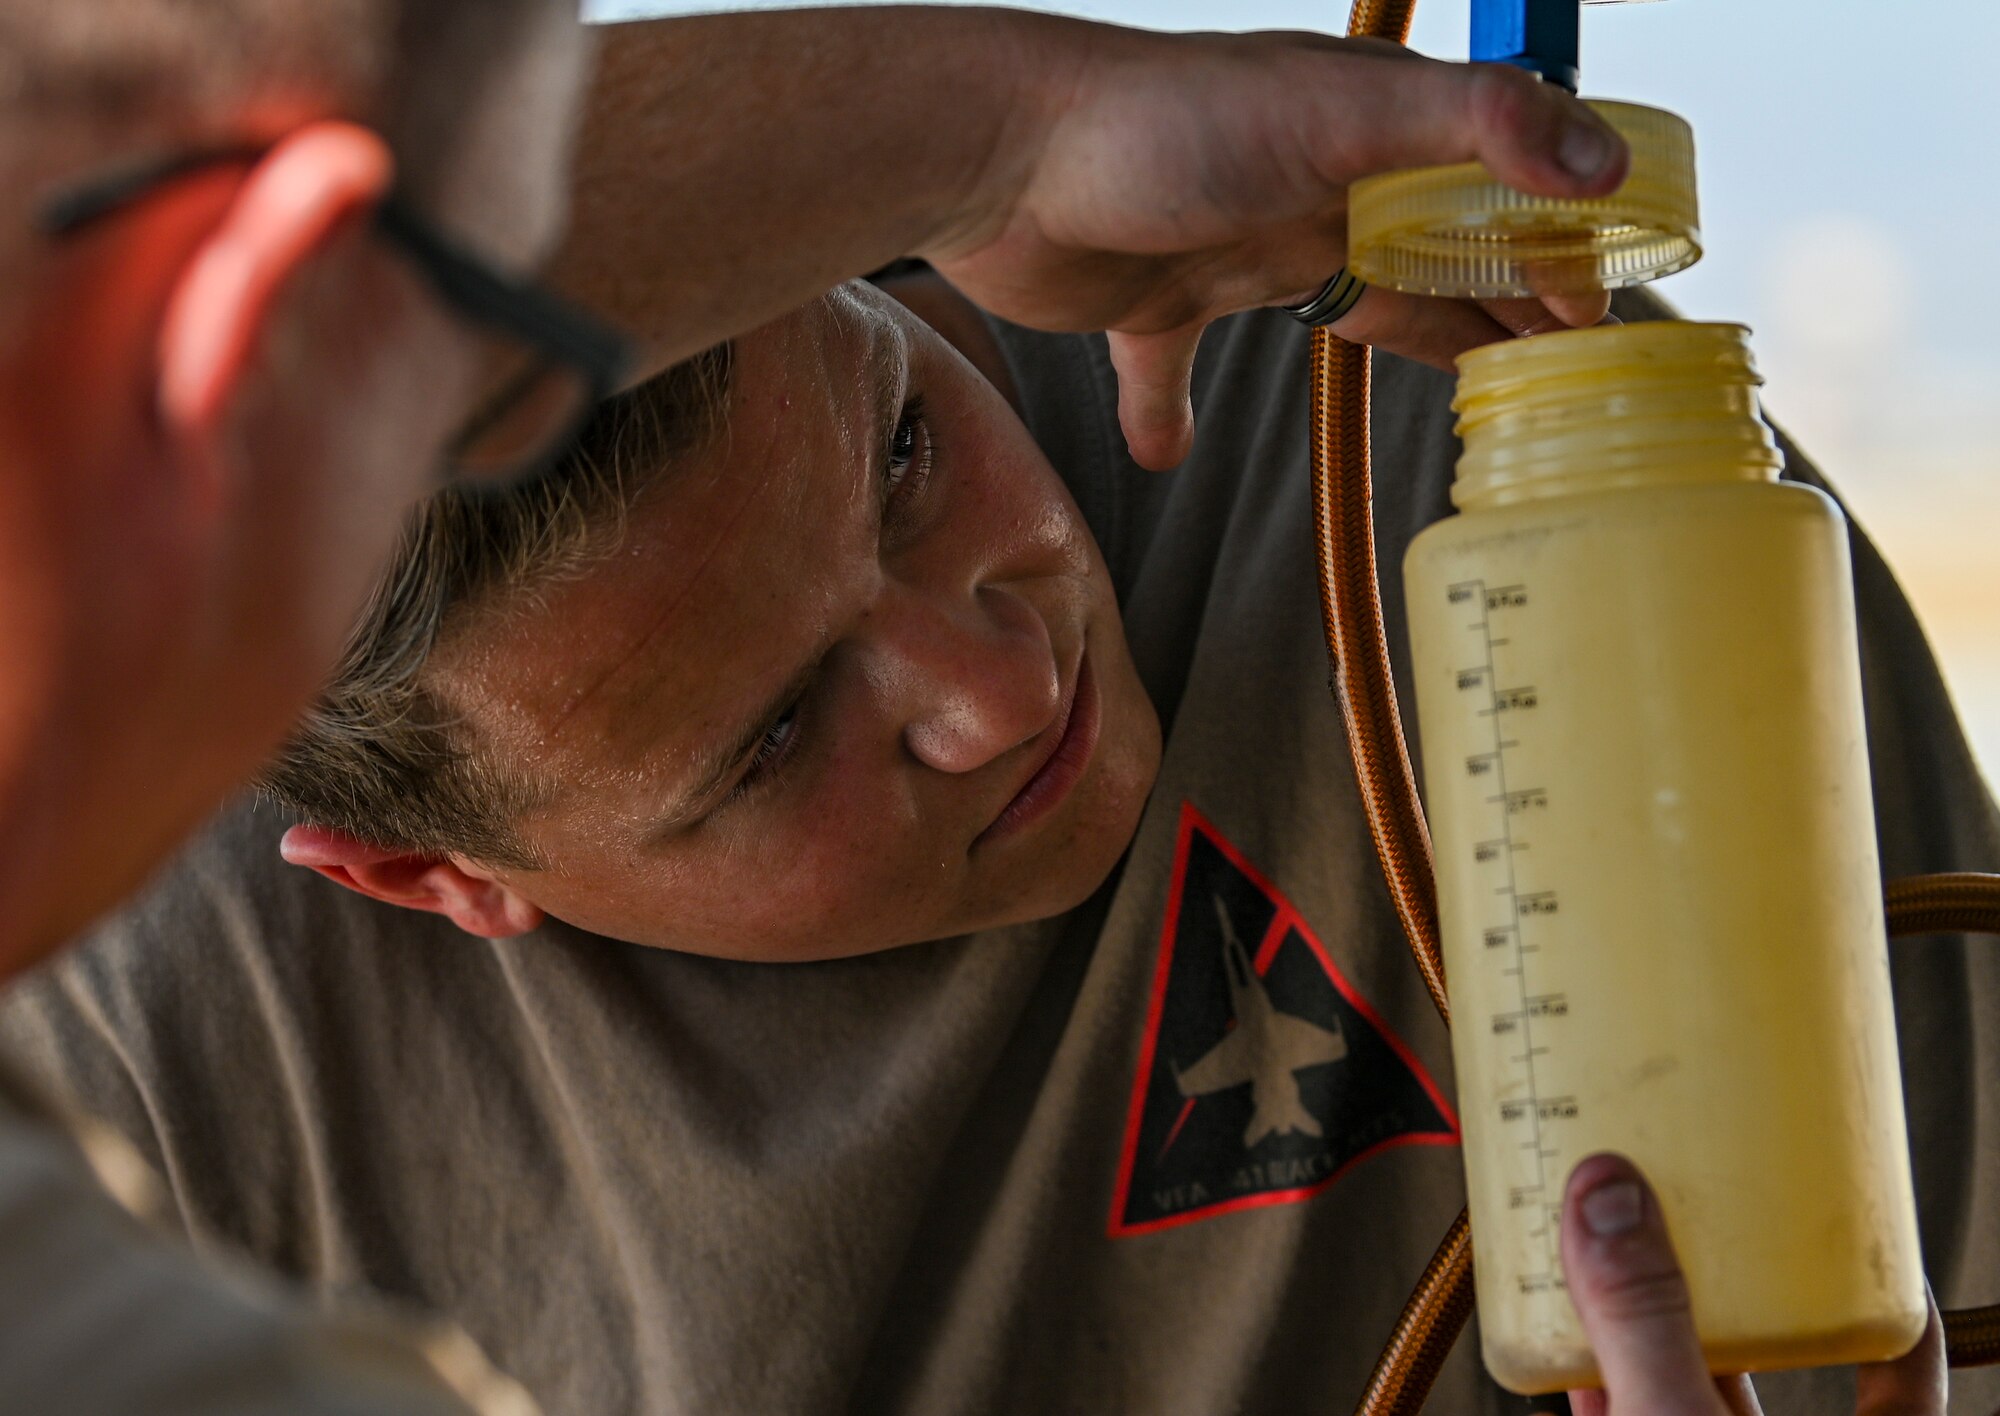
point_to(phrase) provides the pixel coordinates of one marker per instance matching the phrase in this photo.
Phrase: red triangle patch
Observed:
(1264, 1076)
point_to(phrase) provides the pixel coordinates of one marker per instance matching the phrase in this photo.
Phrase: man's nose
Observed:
(980, 677)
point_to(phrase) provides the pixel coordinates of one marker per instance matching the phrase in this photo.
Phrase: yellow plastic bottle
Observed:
(1647, 781)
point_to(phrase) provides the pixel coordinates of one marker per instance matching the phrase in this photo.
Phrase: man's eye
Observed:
(909, 453)
(772, 750)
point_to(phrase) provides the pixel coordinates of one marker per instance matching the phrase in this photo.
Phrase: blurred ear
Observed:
(298, 198)
(456, 889)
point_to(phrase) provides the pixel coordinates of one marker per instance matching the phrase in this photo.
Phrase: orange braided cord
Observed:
(1966, 903)
(1972, 1336)
(1385, 19)
(1351, 606)
(1427, 1330)
(1924, 904)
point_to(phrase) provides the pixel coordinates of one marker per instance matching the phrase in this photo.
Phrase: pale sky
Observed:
(1850, 189)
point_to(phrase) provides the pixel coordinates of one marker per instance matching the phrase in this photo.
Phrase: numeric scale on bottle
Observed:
(1646, 775)
(1523, 907)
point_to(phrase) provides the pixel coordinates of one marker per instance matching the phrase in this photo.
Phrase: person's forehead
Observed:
(732, 570)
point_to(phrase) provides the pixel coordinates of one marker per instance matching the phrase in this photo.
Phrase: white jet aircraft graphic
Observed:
(1266, 1048)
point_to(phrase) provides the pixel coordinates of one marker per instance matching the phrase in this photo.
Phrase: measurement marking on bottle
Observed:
(1486, 852)
(1524, 908)
(1547, 1005)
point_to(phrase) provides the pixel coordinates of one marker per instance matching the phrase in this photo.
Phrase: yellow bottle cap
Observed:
(1456, 231)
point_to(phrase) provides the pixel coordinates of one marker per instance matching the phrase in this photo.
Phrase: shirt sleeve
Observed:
(103, 1316)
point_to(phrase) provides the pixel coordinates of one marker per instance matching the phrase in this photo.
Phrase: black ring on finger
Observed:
(1335, 299)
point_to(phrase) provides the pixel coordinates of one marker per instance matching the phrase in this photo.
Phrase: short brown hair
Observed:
(380, 756)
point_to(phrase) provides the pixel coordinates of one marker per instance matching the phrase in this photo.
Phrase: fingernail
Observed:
(1612, 1209)
(1585, 148)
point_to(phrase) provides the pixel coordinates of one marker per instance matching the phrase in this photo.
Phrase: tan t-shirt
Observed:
(1016, 1172)
(99, 1316)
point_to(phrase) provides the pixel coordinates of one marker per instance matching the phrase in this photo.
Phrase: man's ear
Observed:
(300, 195)
(456, 889)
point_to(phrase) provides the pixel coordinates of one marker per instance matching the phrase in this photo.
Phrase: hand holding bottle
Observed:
(1627, 1285)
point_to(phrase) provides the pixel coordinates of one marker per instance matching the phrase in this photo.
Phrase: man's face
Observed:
(853, 678)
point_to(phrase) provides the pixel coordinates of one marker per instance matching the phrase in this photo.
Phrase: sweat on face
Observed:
(842, 673)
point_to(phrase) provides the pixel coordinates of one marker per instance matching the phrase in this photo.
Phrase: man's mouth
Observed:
(1074, 739)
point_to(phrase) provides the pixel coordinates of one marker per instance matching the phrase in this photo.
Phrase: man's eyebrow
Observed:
(886, 371)
(715, 765)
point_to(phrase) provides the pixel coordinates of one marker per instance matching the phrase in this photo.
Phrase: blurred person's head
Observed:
(218, 401)
(806, 652)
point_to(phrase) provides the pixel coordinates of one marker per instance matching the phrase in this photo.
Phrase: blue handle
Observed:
(1538, 35)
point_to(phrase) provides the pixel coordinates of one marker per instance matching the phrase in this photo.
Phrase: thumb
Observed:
(1533, 136)
(1630, 1293)
(1915, 1384)
(1154, 406)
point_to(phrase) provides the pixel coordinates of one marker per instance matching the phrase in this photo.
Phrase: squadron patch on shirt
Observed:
(1264, 1075)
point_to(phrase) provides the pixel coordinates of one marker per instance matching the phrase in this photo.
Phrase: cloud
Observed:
(1840, 286)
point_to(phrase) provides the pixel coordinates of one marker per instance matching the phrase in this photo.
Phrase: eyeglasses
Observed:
(551, 362)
